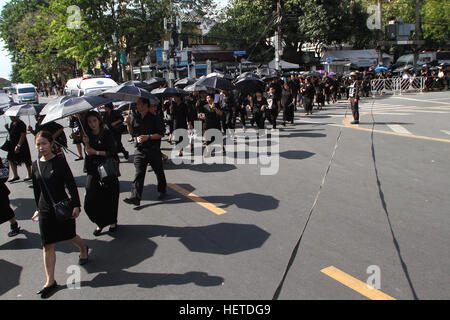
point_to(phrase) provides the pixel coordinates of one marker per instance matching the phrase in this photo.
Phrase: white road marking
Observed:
(446, 131)
(439, 102)
(429, 111)
(398, 128)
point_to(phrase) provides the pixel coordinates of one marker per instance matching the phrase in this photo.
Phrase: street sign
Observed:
(329, 60)
(240, 53)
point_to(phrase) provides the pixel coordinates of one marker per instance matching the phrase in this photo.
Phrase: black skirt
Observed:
(101, 202)
(53, 230)
(6, 212)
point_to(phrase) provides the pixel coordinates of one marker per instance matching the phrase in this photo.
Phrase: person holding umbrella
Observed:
(18, 151)
(149, 131)
(101, 202)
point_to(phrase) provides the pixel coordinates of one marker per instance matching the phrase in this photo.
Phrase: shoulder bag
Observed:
(63, 209)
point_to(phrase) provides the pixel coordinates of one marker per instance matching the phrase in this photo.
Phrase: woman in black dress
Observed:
(49, 182)
(211, 115)
(19, 151)
(179, 111)
(101, 202)
(259, 105)
(6, 212)
(287, 103)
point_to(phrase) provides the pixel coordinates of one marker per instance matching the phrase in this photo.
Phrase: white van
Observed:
(80, 86)
(25, 93)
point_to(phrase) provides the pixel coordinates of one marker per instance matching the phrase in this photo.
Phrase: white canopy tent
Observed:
(284, 65)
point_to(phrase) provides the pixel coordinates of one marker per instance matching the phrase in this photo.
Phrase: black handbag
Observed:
(109, 169)
(6, 146)
(63, 209)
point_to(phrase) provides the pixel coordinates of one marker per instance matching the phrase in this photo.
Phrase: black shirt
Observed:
(57, 175)
(257, 104)
(106, 143)
(180, 115)
(113, 116)
(286, 98)
(148, 125)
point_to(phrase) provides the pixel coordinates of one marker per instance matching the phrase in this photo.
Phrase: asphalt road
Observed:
(228, 232)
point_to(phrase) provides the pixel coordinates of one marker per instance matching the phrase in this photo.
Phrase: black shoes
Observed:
(126, 155)
(85, 260)
(79, 159)
(15, 230)
(97, 232)
(113, 229)
(162, 195)
(47, 291)
(355, 122)
(14, 179)
(134, 201)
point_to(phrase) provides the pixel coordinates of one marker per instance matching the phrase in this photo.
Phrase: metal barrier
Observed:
(397, 86)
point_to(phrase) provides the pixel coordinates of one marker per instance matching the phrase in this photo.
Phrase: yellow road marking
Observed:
(355, 284)
(349, 118)
(205, 204)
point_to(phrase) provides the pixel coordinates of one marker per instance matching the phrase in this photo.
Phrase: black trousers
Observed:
(227, 120)
(355, 108)
(118, 138)
(272, 115)
(141, 160)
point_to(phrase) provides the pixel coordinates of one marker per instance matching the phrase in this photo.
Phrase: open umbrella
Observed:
(184, 82)
(247, 74)
(155, 82)
(75, 105)
(129, 93)
(267, 72)
(139, 84)
(216, 82)
(53, 103)
(220, 75)
(168, 92)
(22, 110)
(195, 88)
(381, 69)
(250, 85)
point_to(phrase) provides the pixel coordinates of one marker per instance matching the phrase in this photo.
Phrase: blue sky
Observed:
(5, 62)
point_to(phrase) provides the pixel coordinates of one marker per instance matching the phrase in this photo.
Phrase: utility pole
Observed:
(116, 40)
(278, 45)
(418, 31)
(380, 32)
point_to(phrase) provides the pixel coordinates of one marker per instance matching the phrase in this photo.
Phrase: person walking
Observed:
(354, 94)
(114, 121)
(101, 202)
(273, 107)
(149, 131)
(76, 126)
(51, 174)
(6, 212)
(308, 92)
(287, 103)
(179, 111)
(258, 104)
(18, 151)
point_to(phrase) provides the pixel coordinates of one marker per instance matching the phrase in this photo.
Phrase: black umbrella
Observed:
(168, 92)
(250, 85)
(53, 103)
(195, 88)
(139, 84)
(130, 93)
(76, 105)
(155, 82)
(215, 82)
(184, 82)
(247, 75)
(269, 77)
(267, 72)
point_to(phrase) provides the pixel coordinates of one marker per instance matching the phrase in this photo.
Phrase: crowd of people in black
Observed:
(98, 137)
